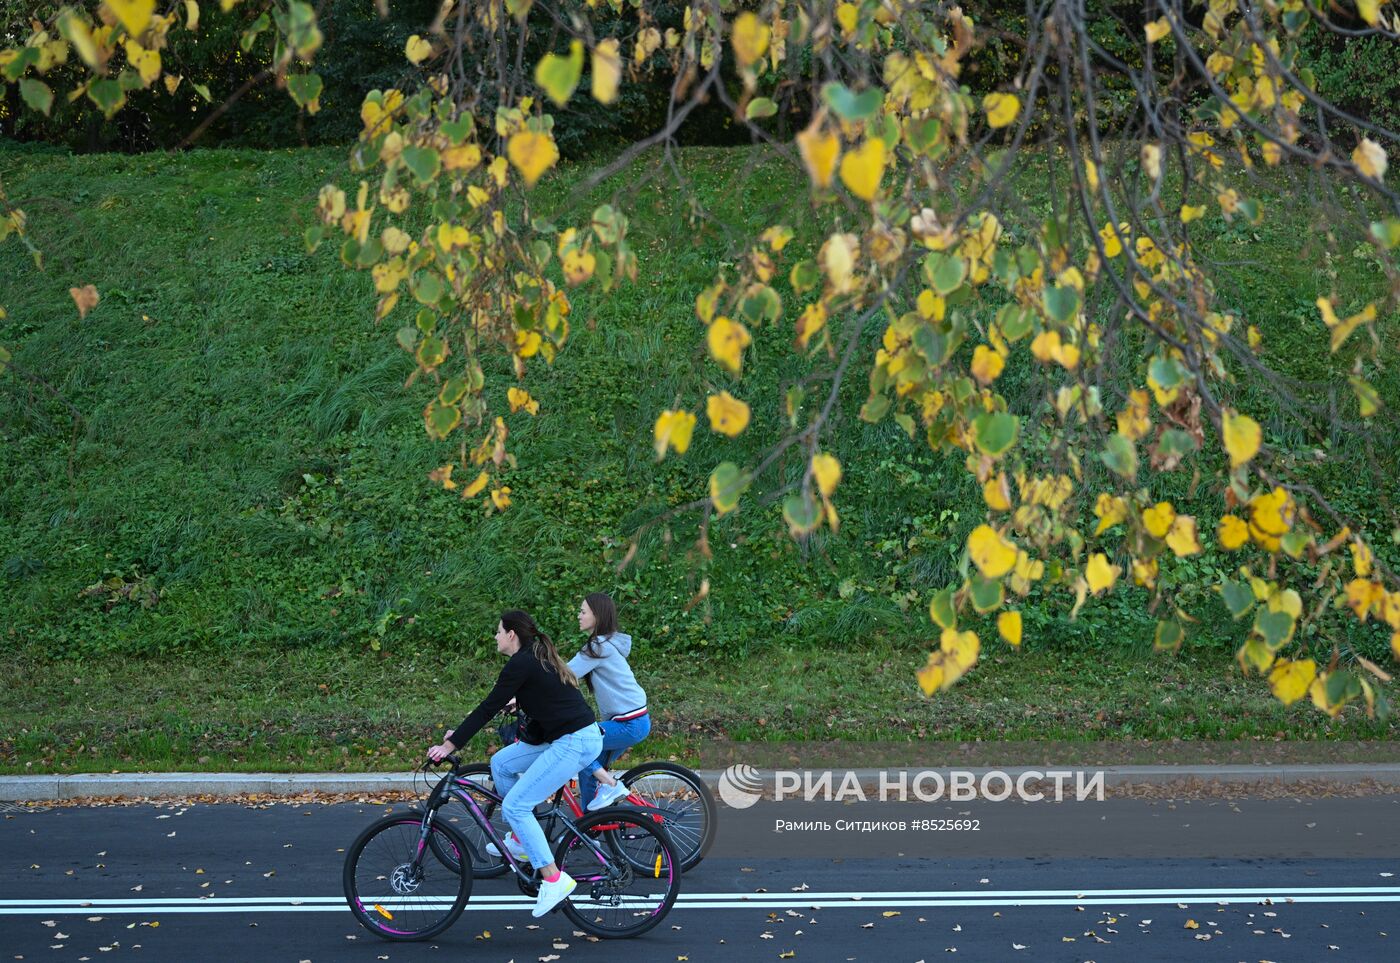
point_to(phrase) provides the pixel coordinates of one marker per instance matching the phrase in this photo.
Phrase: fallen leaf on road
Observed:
(888, 913)
(1018, 946)
(1192, 925)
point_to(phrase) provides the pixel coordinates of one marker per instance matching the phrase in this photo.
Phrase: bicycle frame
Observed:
(463, 788)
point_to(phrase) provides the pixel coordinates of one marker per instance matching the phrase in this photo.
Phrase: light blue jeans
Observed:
(528, 775)
(616, 737)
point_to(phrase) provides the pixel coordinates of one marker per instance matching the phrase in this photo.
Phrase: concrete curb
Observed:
(81, 785)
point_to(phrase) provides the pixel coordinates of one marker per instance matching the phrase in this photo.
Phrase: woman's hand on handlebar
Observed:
(440, 752)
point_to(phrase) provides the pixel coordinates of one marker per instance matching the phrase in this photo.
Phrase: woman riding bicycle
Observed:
(622, 703)
(564, 735)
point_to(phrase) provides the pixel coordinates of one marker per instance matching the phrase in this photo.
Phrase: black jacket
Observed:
(554, 707)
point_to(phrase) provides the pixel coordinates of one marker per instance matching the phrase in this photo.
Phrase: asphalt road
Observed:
(1259, 881)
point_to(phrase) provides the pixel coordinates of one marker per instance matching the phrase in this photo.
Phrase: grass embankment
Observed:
(248, 464)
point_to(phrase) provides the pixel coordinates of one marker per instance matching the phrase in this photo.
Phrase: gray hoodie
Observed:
(614, 685)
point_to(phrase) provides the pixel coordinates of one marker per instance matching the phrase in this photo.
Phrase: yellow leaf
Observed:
(673, 429)
(500, 497)
(1157, 29)
(819, 149)
(607, 70)
(474, 489)
(809, 322)
(1370, 11)
(1369, 158)
(1361, 558)
(1009, 625)
(961, 648)
(1242, 437)
(532, 154)
(1110, 510)
(417, 50)
(1182, 539)
(993, 555)
(1134, 421)
(1099, 574)
(994, 493)
(520, 398)
(463, 158)
(1001, 109)
(146, 62)
(441, 476)
(750, 38)
(1158, 519)
(1341, 330)
(172, 83)
(986, 364)
(728, 415)
(1363, 595)
(1233, 532)
(191, 15)
(1189, 213)
(1289, 680)
(727, 340)
(579, 265)
(1395, 646)
(826, 469)
(861, 169)
(135, 15)
(1192, 925)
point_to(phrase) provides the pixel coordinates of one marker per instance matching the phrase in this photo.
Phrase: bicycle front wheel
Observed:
(396, 885)
(627, 870)
(682, 801)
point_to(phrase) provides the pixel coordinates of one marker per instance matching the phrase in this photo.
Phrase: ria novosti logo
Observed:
(740, 786)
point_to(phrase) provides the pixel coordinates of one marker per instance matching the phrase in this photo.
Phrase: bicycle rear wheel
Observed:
(684, 803)
(627, 870)
(397, 887)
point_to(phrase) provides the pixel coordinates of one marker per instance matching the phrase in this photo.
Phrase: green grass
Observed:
(313, 710)
(249, 464)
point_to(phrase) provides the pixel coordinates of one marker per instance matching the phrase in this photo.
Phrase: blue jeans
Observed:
(616, 737)
(528, 775)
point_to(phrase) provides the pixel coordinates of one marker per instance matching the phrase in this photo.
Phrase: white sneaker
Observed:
(513, 846)
(607, 795)
(552, 894)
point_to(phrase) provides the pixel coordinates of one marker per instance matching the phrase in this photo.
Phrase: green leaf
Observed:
(559, 74)
(1276, 628)
(761, 303)
(802, 513)
(427, 287)
(457, 130)
(727, 484)
(250, 36)
(441, 419)
(1238, 597)
(850, 106)
(424, 162)
(1061, 302)
(945, 271)
(994, 432)
(203, 91)
(304, 88)
(923, 134)
(987, 594)
(941, 609)
(1120, 456)
(1014, 321)
(932, 344)
(452, 391)
(805, 276)
(432, 351)
(107, 94)
(36, 94)
(759, 108)
(27, 57)
(875, 408)
(1169, 636)
(608, 224)
(407, 337)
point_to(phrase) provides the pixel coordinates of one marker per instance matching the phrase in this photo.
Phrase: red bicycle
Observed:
(676, 798)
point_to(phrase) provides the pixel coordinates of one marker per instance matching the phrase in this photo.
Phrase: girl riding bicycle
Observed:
(622, 703)
(526, 774)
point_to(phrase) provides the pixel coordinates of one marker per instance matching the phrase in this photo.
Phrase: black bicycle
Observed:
(404, 877)
(674, 796)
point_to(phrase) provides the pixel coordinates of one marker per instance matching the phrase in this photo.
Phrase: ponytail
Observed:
(541, 646)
